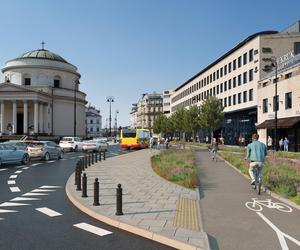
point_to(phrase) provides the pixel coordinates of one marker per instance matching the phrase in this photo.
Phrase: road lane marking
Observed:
(7, 211)
(12, 204)
(14, 176)
(51, 187)
(63, 159)
(25, 168)
(281, 235)
(18, 172)
(74, 157)
(50, 161)
(35, 164)
(15, 189)
(33, 194)
(42, 190)
(11, 182)
(3, 169)
(92, 229)
(48, 211)
(20, 166)
(24, 199)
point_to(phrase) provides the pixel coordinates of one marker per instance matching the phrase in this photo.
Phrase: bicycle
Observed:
(258, 179)
(257, 205)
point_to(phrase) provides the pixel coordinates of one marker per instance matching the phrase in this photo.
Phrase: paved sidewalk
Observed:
(153, 207)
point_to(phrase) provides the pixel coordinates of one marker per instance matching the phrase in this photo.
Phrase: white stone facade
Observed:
(93, 122)
(167, 101)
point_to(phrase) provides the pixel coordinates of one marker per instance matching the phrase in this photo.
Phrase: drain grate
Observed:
(187, 211)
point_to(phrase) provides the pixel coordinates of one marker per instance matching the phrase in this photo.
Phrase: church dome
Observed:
(42, 54)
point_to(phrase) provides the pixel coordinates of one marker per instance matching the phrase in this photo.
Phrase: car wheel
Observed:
(61, 155)
(25, 159)
(47, 157)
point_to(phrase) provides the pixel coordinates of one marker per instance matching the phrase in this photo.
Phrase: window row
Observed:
(237, 80)
(56, 81)
(288, 102)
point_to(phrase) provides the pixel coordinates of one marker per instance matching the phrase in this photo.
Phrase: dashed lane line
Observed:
(25, 168)
(50, 161)
(35, 164)
(3, 169)
(14, 176)
(18, 172)
(12, 204)
(7, 211)
(92, 229)
(14, 189)
(24, 199)
(48, 211)
(20, 166)
(42, 190)
(11, 182)
(63, 159)
(51, 187)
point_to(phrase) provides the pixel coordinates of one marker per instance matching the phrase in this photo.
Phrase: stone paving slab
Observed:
(149, 201)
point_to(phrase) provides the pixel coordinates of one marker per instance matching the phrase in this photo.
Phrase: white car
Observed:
(95, 145)
(71, 144)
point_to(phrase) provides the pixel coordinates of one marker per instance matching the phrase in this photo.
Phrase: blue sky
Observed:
(128, 47)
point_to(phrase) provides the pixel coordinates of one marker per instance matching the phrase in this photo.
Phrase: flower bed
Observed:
(177, 166)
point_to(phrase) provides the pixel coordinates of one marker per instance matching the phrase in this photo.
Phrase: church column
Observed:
(41, 118)
(25, 112)
(49, 120)
(36, 117)
(2, 117)
(14, 117)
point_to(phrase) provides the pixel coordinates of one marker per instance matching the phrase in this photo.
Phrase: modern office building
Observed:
(233, 78)
(93, 122)
(40, 95)
(167, 101)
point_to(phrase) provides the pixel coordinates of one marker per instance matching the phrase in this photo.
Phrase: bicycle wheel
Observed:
(253, 206)
(259, 187)
(282, 207)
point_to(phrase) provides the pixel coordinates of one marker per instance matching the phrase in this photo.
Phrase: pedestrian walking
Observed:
(214, 149)
(151, 143)
(286, 144)
(281, 144)
(270, 143)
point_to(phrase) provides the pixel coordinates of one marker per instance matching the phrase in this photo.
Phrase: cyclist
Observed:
(256, 153)
(214, 149)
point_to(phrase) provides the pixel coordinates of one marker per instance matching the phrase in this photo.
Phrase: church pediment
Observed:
(10, 87)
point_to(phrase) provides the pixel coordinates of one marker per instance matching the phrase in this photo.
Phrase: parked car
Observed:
(45, 150)
(71, 143)
(9, 153)
(95, 145)
(22, 145)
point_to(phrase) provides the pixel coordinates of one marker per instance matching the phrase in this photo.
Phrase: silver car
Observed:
(45, 150)
(9, 153)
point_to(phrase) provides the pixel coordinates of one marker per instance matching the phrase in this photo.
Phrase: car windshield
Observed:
(129, 133)
(67, 139)
(36, 144)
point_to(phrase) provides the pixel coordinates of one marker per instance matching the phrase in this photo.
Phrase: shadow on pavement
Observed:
(213, 243)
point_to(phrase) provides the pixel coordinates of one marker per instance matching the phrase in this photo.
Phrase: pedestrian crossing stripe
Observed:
(7, 211)
(42, 190)
(12, 204)
(33, 194)
(14, 189)
(50, 187)
(48, 211)
(24, 199)
(92, 229)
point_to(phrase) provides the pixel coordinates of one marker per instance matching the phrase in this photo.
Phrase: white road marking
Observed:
(42, 190)
(3, 169)
(20, 166)
(24, 199)
(114, 153)
(50, 161)
(1, 218)
(48, 211)
(73, 157)
(33, 194)
(51, 187)
(12, 204)
(281, 235)
(35, 164)
(25, 168)
(11, 182)
(63, 159)
(15, 189)
(14, 176)
(92, 229)
(18, 172)
(7, 211)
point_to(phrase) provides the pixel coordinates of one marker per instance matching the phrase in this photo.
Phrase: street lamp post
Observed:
(110, 99)
(274, 64)
(75, 90)
(116, 123)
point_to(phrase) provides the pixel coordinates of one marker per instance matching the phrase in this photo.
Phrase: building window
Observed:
(239, 80)
(288, 75)
(229, 84)
(27, 81)
(91, 121)
(239, 98)
(225, 70)
(245, 96)
(221, 72)
(98, 129)
(296, 48)
(275, 103)
(255, 52)
(56, 83)
(214, 91)
(239, 61)
(229, 101)
(217, 89)
(250, 75)
(229, 67)
(234, 64)
(225, 86)
(221, 87)
(245, 77)
(250, 95)
(91, 129)
(233, 99)
(288, 100)
(266, 50)
(234, 82)
(251, 55)
(214, 76)
(225, 102)
(265, 105)
(245, 59)
(217, 74)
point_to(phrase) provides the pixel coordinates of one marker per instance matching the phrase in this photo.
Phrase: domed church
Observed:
(40, 96)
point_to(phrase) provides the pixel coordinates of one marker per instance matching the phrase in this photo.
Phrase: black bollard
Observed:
(85, 161)
(92, 158)
(89, 163)
(76, 174)
(104, 155)
(84, 186)
(96, 157)
(100, 152)
(78, 180)
(96, 193)
(82, 163)
(119, 200)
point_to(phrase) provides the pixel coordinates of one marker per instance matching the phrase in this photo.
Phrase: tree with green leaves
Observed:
(211, 115)
(178, 120)
(192, 121)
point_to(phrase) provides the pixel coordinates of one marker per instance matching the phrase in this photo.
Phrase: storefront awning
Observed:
(281, 123)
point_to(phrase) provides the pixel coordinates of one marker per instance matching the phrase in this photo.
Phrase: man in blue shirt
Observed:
(256, 153)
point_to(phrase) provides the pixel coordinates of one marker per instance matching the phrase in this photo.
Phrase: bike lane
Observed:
(227, 220)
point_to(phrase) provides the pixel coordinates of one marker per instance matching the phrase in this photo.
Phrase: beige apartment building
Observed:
(233, 78)
(287, 101)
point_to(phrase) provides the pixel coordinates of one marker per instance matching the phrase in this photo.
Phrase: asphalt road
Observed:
(46, 219)
(230, 224)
